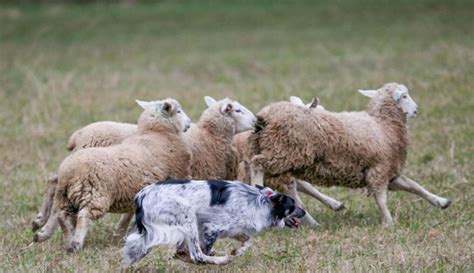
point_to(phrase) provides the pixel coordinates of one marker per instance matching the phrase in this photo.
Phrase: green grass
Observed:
(64, 66)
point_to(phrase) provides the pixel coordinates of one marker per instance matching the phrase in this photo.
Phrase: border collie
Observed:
(193, 214)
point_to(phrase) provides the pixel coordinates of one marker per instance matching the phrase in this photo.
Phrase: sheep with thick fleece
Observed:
(357, 149)
(100, 134)
(97, 134)
(94, 181)
(210, 140)
(243, 169)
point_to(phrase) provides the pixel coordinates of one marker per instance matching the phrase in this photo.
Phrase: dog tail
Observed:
(148, 234)
(134, 249)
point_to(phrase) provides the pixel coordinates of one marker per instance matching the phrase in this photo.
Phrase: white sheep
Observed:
(210, 140)
(357, 149)
(243, 170)
(95, 181)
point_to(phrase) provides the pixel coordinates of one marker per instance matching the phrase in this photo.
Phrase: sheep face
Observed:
(408, 105)
(400, 96)
(243, 118)
(169, 109)
(314, 104)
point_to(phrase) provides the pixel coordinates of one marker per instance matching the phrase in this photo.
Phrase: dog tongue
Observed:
(292, 223)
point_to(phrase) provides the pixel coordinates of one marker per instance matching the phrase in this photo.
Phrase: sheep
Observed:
(97, 134)
(210, 140)
(94, 181)
(100, 134)
(357, 149)
(243, 151)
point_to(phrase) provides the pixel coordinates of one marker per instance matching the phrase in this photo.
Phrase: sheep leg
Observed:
(307, 188)
(122, 226)
(246, 242)
(82, 225)
(291, 192)
(67, 223)
(48, 229)
(47, 204)
(403, 183)
(256, 170)
(381, 200)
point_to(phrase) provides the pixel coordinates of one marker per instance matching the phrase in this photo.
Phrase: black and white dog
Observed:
(192, 214)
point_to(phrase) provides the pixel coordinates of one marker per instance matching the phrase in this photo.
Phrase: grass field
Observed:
(63, 66)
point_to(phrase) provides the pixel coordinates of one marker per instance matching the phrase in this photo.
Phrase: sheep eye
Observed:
(238, 110)
(404, 96)
(179, 111)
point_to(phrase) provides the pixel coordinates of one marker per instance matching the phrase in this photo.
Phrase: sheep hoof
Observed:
(38, 238)
(340, 207)
(74, 248)
(35, 226)
(446, 204)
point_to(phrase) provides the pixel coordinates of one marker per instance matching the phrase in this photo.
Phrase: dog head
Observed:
(285, 210)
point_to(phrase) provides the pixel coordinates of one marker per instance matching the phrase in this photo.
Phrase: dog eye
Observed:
(291, 210)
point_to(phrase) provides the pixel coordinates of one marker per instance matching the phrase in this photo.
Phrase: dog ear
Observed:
(277, 198)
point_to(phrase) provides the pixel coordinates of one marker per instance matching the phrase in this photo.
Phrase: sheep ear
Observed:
(167, 107)
(209, 101)
(296, 100)
(227, 108)
(398, 94)
(144, 104)
(368, 93)
(314, 103)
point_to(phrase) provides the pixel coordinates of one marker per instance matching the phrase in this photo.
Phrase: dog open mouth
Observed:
(292, 222)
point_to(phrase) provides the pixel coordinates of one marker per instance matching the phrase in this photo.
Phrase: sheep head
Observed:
(242, 117)
(399, 94)
(167, 109)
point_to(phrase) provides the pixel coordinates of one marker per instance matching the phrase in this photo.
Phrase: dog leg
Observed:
(194, 245)
(246, 243)
(307, 188)
(47, 204)
(403, 183)
(209, 237)
(82, 225)
(122, 226)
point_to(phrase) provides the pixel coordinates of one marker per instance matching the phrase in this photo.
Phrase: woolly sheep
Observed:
(97, 134)
(357, 149)
(243, 174)
(94, 181)
(210, 140)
